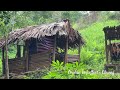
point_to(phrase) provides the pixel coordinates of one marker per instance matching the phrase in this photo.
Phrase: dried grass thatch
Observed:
(60, 29)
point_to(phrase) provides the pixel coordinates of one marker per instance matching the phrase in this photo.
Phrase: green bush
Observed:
(77, 71)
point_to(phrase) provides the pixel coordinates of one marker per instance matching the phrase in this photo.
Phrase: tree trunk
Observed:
(3, 61)
(6, 61)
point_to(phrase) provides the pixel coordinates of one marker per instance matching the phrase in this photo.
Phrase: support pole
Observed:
(54, 48)
(110, 54)
(66, 50)
(106, 48)
(26, 57)
(23, 50)
(79, 48)
(6, 60)
(18, 51)
(3, 61)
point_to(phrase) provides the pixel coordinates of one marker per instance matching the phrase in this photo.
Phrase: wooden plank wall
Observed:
(39, 61)
(45, 44)
(17, 65)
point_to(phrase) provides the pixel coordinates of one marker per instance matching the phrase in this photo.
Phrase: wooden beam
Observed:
(26, 57)
(54, 48)
(106, 49)
(79, 48)
(66, 50)
(3, 61)
(6, 60)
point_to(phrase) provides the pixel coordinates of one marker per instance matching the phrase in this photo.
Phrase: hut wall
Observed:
(42, 45)
(17, 65)
(39, 61)
(46, 44)
(36, 61)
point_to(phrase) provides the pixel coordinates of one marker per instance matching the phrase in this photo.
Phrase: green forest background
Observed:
(89, 23)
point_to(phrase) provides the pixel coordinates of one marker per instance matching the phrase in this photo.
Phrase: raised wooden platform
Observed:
(72, 58)
(112, 67)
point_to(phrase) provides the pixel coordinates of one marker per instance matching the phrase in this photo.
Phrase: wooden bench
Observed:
(72, 58)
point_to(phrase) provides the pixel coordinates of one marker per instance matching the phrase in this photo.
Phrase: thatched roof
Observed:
(60, 29)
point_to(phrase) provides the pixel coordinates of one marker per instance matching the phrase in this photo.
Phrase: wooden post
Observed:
(66, 50)
(79, 47)
(66, 46)
(3, 61)
(109, 51)
(26, 57)
(54, 48)
(23, 51)
(36, 46)
(106, 48)
(6, 60)
(18, 51)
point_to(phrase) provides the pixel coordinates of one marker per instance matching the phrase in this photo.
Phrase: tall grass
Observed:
(93, 53)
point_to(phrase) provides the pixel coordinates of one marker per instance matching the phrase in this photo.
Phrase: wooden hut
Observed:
(112, 48)
(41, 44)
